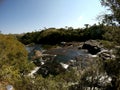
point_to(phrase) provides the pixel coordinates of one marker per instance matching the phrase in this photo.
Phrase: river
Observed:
(63, 54)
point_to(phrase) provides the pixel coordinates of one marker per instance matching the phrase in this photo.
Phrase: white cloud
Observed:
(80, 18)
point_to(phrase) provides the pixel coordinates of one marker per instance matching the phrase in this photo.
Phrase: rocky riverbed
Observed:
(77, 55)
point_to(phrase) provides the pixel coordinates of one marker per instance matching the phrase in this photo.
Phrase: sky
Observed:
(21, 16)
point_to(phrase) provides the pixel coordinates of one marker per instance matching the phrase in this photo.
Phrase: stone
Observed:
(37, 54)
(92, 46)
(9, 87)
(51, 67)
(106, 54)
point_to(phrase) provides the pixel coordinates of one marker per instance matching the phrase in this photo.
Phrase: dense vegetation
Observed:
(13, 60)
(49, 35)
(14, 64)
(112, 67)
(114, 7)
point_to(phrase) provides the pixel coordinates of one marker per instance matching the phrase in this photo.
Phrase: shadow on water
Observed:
(66, 54)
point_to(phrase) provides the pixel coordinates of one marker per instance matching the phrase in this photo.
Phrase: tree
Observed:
(86, 25)
(114, 7)
(112, 67)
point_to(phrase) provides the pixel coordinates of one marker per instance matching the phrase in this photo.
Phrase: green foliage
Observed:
(60, 82)
(114, 7)
(112, 34)
(107, 44)
(94, 32)
(112, 68)
(13, 59)
(90, 77)
(55, 36)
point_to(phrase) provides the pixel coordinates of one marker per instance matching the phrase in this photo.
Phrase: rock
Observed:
(67, 44)
(37, 58)
(92, 46)
(31, 74)
(106, 54)
(80, 47)
(37, 54)
(38, 62)
(117, 47)
(9, 87)
(51, 67)
(94, 56)
(65, 66)
(63, 43)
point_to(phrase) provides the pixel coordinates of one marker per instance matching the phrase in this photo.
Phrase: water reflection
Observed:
(62, 54)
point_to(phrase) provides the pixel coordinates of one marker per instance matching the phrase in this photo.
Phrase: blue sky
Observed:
(19, 16)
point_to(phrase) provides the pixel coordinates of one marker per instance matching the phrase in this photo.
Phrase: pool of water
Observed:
(66, 54)
(62, 54)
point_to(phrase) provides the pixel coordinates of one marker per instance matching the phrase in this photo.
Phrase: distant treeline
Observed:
(55, 36)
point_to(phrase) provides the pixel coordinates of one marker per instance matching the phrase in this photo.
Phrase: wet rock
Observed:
(92, 46)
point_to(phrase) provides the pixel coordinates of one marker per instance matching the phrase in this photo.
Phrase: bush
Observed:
(13, 60)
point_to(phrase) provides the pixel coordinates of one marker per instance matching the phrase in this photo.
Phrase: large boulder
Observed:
(37, 57)
(37, 54)
(92, 46)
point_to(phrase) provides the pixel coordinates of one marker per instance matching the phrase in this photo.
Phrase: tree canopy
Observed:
(114, 7)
